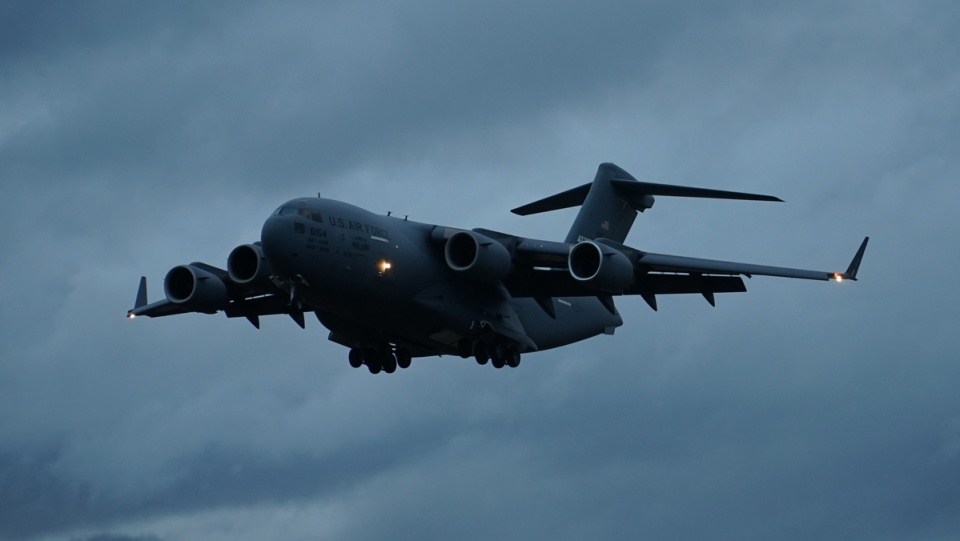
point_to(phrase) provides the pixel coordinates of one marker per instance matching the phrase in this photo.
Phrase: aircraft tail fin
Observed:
(605, 212)
(609, 204)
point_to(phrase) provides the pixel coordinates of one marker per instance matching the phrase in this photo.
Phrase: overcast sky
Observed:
(137, 136)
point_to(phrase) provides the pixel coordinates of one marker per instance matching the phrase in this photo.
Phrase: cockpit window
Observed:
(309, 214)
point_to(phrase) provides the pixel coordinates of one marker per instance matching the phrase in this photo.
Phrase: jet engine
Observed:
(195, 289)
(248, 266)
(600, 267)
(477, 256)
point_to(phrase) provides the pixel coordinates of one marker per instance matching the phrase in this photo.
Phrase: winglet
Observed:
(851, 273)
(141, 298)
(141, 293)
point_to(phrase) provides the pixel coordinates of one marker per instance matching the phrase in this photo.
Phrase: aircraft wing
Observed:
(240, 302)
(651, 262)
(542, 273)
(544, 283)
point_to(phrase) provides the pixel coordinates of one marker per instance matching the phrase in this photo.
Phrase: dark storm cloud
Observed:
(112, 537)
(242, 101)
(136, 137)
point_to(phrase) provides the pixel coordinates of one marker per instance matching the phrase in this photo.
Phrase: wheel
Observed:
(513, 358)
(371, 358)
(389, 362)
(355, 357)
(498, 354)
(404, 358)
(464, 348)
(480, 353)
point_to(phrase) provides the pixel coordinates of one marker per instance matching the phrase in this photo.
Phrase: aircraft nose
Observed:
(276, 238)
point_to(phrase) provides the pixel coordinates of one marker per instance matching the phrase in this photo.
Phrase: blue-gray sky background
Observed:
(138, 136)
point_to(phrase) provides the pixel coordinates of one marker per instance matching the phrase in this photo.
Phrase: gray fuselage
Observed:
(372, 277)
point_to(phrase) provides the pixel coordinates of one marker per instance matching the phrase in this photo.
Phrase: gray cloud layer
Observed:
(134, 137)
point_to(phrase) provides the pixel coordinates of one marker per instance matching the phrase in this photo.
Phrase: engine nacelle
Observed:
(248, 266)
(195, 289)
(600, 267)
(477, 256)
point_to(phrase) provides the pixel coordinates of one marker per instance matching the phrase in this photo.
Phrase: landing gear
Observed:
(513, 358)
(498, 353)
(356, 357)
(404, 358)
(464, 348)
(389, 361)
(384, 357)
(480, 353)
(381, 358)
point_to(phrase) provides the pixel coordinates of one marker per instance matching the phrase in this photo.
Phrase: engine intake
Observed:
(477, 256)
(195, 289)
(248, 267)
(600, 267)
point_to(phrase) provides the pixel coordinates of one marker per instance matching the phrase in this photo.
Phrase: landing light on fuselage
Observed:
(384, 266)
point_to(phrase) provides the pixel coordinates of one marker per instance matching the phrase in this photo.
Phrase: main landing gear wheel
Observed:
(389, 361)
(380, 358)
(513, 358)
(480, 353)
(371, 358)
(356, 357)
(464, 348)
(498, 354)
(404, 358)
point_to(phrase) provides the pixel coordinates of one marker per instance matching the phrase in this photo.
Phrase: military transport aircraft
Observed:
(391, 289)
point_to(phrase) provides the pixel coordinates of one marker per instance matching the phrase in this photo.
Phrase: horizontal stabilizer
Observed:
(563, 200)
(632, 190)
(638, 194)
